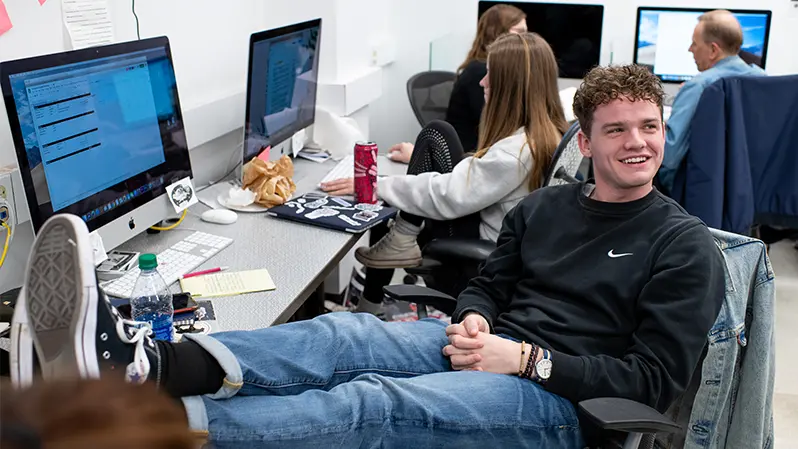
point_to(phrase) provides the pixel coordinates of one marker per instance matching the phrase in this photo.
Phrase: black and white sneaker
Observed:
(75, 330)
(21, 357)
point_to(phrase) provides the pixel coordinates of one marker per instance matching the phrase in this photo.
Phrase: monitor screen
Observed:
(664, 36)
(98, 132)
(573, 32)
(281, 89)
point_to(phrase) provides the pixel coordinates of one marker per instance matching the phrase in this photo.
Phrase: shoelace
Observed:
(141, 364)
(386, 240)
(140, 334)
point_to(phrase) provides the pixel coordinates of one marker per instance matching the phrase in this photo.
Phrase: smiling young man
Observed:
(595, 289)
(614, 280)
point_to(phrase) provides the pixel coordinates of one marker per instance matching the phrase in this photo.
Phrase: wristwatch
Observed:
(543, 367)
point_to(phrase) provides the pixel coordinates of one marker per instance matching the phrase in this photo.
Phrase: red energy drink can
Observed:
(366, 172)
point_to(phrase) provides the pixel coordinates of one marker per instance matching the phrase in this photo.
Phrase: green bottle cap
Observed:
(148, 262)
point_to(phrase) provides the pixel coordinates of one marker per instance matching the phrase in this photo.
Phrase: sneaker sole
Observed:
(61, 292)
(21, 356)
(387, 264)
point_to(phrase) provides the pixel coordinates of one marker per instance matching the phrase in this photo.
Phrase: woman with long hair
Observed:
(467, 101)
(521, 125)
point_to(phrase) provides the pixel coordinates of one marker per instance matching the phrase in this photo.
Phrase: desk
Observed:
(299, 257)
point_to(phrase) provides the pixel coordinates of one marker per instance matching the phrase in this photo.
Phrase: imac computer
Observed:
(663, 37)
(281, 87)
(98, 134)
(573, 31)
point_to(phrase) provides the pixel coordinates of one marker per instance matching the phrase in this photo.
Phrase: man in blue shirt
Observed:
(716, 43)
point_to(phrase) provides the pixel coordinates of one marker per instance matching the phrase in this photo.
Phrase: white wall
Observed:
(452, 24)
(413, 25)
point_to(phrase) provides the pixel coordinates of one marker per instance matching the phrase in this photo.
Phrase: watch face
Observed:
(544, 368)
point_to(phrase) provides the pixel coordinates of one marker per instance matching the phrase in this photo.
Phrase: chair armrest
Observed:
(461, 249)
(626, 416)
(420, 295)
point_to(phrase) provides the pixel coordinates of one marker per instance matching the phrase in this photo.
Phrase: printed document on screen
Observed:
(100, 122)
(675, 34)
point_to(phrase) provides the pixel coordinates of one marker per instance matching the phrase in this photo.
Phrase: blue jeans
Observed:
(349, 380)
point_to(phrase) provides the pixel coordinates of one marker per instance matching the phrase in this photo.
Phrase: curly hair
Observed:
(604, 84)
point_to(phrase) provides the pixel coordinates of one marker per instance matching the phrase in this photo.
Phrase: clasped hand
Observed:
(473, 348)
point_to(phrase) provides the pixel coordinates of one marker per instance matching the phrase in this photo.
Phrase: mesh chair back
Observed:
(429, 94)
(439, 139)
(568, 164)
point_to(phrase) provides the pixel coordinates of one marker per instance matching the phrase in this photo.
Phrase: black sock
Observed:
(414, 220)
(186, 369)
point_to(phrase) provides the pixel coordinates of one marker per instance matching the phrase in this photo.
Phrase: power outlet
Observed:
(5, 211)
(7, 201)
(7, 217)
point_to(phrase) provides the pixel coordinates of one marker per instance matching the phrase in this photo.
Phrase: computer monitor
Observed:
(99, 134)
(663, 37)
(281, 87)
(573, 31)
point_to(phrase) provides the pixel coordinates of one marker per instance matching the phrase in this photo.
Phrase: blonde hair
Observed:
(494, 22)
(523, 94)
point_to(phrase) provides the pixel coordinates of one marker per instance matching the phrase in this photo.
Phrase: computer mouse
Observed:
(220, 216)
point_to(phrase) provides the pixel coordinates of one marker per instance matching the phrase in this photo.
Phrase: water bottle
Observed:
(151, 300)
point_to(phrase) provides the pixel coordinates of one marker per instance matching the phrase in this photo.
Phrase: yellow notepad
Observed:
(228, 284)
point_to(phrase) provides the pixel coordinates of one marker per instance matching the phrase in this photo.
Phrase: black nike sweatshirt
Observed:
(623, 294)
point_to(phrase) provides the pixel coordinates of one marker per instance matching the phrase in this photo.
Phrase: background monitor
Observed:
(663, 37)
(573, 32)
(99, 134)
(281, 87)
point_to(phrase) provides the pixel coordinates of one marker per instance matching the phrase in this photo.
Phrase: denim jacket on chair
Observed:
(733, 406)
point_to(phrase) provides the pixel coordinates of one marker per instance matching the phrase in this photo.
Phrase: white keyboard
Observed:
(183, 257)
(344, 169)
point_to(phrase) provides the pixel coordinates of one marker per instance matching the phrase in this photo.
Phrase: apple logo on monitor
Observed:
(131, 224)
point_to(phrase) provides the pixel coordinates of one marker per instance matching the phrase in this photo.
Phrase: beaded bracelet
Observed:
(521, 363)
(529, 372)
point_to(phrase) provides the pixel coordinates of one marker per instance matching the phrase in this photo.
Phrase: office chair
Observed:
(567, 162)
(429, 94)
(449, 263)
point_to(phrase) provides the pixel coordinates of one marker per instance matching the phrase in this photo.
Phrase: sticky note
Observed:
(5, 21)
(264, 155)
(41, 2)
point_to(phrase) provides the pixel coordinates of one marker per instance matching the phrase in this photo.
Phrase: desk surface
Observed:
(299, 257)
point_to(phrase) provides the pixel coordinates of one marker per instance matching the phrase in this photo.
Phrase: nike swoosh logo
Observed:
(615, 256)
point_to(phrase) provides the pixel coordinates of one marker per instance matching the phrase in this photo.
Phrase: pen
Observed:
(200, 273)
